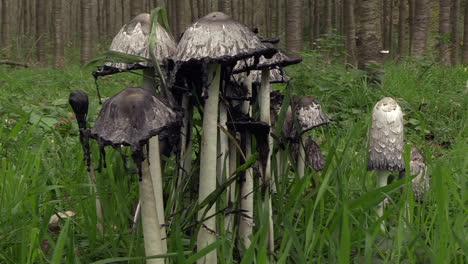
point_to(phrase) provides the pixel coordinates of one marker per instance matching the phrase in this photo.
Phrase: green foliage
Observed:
(325, 217)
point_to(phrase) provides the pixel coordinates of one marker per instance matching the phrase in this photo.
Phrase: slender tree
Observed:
(86, 34)
(369, 43)
(411, 12)
(350, 32)
(5, 25)
(402, 28)
(58, 34)
(41, 31)
(420, 27)
(294, 25)
(465, 36)
(444, 31)
(455, 36)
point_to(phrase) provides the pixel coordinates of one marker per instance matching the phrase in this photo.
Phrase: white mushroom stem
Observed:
(301, 157)
(207, 233)
(231, 192)
(149, 216)
(223, 156)
(264, 103)
(154, 159)
(99, 214)
(382, 177)
(185, 154)
(246, 195)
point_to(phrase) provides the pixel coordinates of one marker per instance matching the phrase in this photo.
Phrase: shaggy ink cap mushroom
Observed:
(236, 89)
(305, 111)
(386, 137)
(313, 154)
(217, 38)
(418, 168)
(280, 59)
(131, 118)
(79, 102)
(133, 39)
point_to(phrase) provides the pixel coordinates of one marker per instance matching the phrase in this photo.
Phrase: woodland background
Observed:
(63, 32)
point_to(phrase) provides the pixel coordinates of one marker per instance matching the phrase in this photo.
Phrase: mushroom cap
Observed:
(79, 102)
(132, 117)
(313, 154)
(133, 39)
(418, 168)
(218, 38)
(276, 76)
(308, 114)
(386, 137)
(280, 59)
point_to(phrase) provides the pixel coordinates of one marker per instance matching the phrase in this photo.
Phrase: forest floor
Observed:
(333, 220)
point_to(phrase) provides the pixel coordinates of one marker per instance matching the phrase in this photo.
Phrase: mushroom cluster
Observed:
(221, 68)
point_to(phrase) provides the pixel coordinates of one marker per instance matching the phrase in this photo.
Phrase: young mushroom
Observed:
(79, 102)
(214, 43)
(418, 168)
(386, 142)
(131, 118)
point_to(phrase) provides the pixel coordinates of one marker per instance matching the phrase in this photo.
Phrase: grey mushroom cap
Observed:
(418, 168)
(386, 137)
(304, 111)
(313, 155)
(276, 76)
(132, 117)
(220, 39)
(133, 39)
(280, 59)
(79, 102)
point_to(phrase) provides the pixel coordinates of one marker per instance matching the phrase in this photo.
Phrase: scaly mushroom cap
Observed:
(132, 117)
(218, 38)
(280, 59)
(133, 39)
(418, 168)
(276, 76)
(386, 137)
(313, 155)
(79, 102)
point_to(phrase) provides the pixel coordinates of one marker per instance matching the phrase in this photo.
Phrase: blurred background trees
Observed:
(355, 32)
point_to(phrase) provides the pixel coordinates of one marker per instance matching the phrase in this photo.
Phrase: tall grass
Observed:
(325, 217)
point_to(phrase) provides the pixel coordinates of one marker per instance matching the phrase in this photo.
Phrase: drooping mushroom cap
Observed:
(304, 114)
(218, 38)
(386, 137)
(418, 168)
(133, 39)
(280, 59)
(79, 102)
(276, 76)
(313, 155)
(132, 117)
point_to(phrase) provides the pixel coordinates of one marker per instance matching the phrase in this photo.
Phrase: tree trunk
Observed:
(402, 29)
(465, 36)
(58, 34)
(411, 25)
(420, 27)
(369, 34)
(455, 54)
(41, 31)
(136, 7)
(225, 6)
(5, 22)
(350, 32)
(317, 18)
(86, 34)
(294, 25)
(444, 31)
